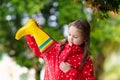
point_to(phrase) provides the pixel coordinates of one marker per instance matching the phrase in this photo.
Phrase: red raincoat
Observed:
(71, 54)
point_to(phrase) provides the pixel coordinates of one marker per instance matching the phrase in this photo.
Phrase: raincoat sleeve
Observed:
(33, 45)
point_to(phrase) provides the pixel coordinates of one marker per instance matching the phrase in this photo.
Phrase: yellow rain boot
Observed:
(43, 40)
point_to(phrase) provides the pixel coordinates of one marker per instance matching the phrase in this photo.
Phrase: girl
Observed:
(69, 59)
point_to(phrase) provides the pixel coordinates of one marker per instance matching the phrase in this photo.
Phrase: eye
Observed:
(69, 34)
(75, 36)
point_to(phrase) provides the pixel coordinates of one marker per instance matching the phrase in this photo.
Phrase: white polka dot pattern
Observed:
(71, 54)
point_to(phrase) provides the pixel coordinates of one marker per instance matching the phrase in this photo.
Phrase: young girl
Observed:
(69, 59)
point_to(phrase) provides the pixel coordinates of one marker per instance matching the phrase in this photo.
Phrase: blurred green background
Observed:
(53, 16)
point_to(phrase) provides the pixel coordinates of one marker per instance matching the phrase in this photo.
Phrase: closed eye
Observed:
(75, 36)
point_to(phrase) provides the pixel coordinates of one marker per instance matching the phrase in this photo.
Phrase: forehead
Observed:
(74, 30)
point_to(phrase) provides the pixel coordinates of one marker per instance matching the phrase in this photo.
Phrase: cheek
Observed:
(78, 42)
(68, 38)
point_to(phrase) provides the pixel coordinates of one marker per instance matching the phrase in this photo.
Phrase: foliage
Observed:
(70, 11)
(104, 32)
(104, 5)
(10, 21)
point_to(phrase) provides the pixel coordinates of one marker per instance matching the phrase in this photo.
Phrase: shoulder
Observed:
(56, 46)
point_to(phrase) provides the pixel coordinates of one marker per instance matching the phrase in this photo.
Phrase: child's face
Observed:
(75, 36)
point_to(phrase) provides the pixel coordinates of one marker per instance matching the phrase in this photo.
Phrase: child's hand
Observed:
(64, 66)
